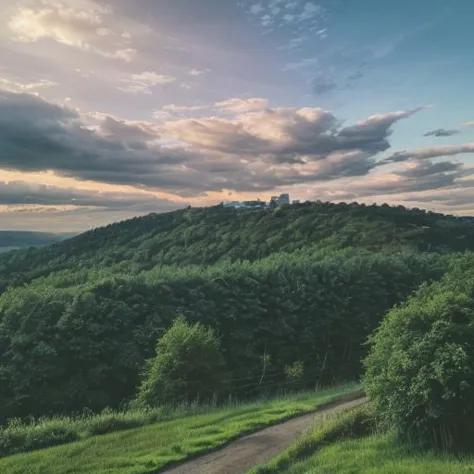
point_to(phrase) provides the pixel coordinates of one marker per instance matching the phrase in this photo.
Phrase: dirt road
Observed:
(243, 454)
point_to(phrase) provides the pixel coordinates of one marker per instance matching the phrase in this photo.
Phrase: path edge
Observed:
(339, 400)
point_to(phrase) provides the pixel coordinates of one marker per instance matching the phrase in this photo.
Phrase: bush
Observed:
(294, 374)
(188, 366)
(420, 371)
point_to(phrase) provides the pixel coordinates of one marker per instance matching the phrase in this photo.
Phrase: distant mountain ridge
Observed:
(14, 239)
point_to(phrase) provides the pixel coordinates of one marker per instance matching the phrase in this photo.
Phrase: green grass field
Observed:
(149, 448)
(346, 444)
(377, 455)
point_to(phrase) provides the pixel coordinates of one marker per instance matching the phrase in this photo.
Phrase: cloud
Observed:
(281, 15)
(468, 124)
(142, 83)
(183, 108)
(81, 24)
(310, 10)
(430, 152)
(294, 43)
(427, 168)
(256, 9)
(152, 78)
(17, 86)
(254, 151)
(129, 131)
(25, 194)
(239, 106)
(54, 138)
(441, 132)
(125, 54)
(288, 135)
(198, 72)
(407, 183)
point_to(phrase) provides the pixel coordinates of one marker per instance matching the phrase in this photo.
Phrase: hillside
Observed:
(205, 236)
(12, 240)
(301, 286)
(289, 297)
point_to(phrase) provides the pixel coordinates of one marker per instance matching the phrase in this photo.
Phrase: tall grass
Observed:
(348, 425)
(22, 436)
(150, 448)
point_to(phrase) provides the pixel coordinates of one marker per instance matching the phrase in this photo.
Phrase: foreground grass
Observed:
(377, 454)
(348, 445)
(149, 448)
(19, 436)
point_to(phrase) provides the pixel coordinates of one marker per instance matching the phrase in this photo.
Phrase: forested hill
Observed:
(317, 281)
(204, 236)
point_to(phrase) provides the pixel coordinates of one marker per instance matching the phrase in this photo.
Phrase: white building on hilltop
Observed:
(281, 200)
(246, 204)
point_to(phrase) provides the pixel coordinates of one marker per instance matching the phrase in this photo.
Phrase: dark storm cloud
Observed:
(441, 132)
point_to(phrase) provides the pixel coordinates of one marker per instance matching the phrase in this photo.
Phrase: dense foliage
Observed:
(188, 366)
(293, 292)
(420, 371)
(79, 339)
(205, 236)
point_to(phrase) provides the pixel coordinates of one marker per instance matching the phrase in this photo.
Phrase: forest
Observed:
(291, 294)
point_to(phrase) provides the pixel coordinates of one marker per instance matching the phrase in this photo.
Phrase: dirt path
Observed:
(243, 454)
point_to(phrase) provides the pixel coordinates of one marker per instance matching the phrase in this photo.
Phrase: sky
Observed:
(113, 110)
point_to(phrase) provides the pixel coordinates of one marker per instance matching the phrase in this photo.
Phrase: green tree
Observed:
(188, 366)
(420, 371)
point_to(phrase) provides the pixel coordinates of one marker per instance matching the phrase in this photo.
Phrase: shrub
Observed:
(188, 366)
(294, 374)
(420, 371)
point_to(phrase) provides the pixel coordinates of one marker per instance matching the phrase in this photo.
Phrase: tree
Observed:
(188, 366)
(420, 371)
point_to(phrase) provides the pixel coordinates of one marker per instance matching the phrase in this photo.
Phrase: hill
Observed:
(293, 291)
(205, 236)
(12, 239)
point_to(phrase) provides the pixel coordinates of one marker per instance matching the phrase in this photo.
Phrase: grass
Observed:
(378, 454)
(19, 436)
(350, 444)
(149, 448)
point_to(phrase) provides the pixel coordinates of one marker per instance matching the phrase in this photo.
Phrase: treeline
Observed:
(79, 338)
(205, 236)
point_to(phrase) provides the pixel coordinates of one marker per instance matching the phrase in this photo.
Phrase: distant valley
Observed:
(14, 240)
